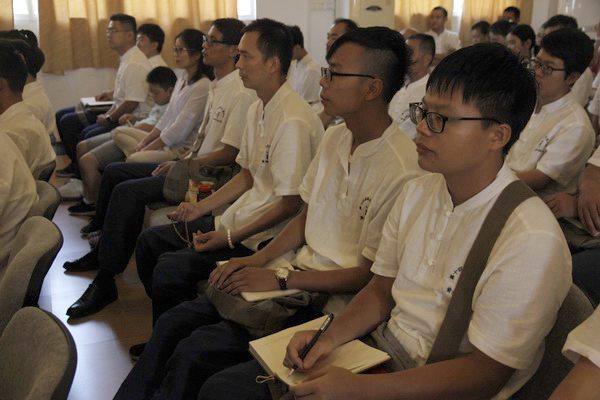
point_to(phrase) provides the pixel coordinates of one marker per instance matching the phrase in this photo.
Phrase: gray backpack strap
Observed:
(459, 312)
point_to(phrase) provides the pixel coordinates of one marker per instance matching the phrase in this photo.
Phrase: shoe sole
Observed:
(83, 213)
(66, 175)
(70, 198)
(80, 269)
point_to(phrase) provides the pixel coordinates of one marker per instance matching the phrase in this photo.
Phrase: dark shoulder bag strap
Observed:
(459, 312)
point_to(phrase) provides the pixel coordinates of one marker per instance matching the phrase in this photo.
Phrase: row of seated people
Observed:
(265, 199)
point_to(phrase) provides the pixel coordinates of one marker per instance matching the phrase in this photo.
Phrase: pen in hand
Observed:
(322, 329)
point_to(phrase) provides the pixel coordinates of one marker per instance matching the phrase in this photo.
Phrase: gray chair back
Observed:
(36, 245)
(47, 204)
(554, 366)
(45, 172)
(38, 356)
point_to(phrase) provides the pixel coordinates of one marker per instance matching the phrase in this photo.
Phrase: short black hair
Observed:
(297, 36)
(442, 9)
(127, 21)
(25, 50)
(163, 77)
(154, 33)
(572, 46)
(501, 27)
(274, 40)
(514, 10)
(193, 38)
(493, 79)
(12, 68)
(564, 21)
(524, 32)
(481, 26)
(426, 43)
(230, 28)
(386, 55)
(350, 25)
(35, 62)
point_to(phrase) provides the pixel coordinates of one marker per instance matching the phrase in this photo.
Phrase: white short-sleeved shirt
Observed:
(424, 245)
(17, 195)
(183, 117)
(445, 41)
(582, 87)
(157, 61)
(557, 141)
(278, 144)
(130, 82)
(304, 76)
(36, 99)
(29, 134)
(411, 92)
(349, 197)
(225, 114)
(585, 340)
(594, 107)
(155, 115)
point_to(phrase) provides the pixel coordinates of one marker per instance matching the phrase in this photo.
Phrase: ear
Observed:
(154, 46)
(572, 78)
(233, 51)
(170, 90)
(4, 85)
(274, 64)
(500, 136)
(374, 89)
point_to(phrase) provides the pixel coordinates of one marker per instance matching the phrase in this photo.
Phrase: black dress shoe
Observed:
(136, 351)
(94, 299)
(89, 262)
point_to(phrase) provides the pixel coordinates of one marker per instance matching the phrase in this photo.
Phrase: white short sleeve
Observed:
(585, 340)
(236, 121)
(134, 83)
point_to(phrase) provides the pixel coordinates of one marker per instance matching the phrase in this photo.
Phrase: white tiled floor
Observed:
(102, 339)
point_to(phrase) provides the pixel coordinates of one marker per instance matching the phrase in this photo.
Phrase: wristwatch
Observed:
(282, 275)
(108, 118)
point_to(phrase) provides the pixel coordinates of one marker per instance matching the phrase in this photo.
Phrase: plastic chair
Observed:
(49, 199)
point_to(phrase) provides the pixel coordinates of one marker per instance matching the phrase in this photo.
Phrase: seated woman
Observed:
(521, 40)
(174, 134)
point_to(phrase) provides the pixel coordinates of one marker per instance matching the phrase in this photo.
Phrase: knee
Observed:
(212, 388)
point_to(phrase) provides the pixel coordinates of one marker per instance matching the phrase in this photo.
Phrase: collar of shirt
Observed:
(32, 87)
(13, 111)
(275, 101)
(224, 81)
(128, 54)
(366, 149)
(557, 104)
(421, 81)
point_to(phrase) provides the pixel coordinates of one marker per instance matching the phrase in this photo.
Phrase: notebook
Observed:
(355, 356)
(91, 102)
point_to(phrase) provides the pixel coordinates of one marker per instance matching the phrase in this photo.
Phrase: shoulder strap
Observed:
(459, 312)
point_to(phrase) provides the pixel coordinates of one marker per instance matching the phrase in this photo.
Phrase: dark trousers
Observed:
(72, 130)
(236, 383)
(170, 270)
(125, 190)
(586, 273)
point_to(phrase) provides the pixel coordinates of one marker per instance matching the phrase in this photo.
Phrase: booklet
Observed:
(91, 102)
(355, 356)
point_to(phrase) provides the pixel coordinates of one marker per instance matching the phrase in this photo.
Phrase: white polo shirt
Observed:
(349, 197)
(411, 92)
(582, 87)
(157, 61)
(445, 41)
(278, 144)
(130, 82)
(304, 76)
(29, 134)
(17, 195)
(557, 141)
(36, 99)
(184, 114)
(424, 245)
(585, 340)
(225, 114)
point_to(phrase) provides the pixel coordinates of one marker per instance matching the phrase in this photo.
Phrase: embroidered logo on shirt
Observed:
(364, 207)
(219, 114)
(541, 147)
(454, 278)
(266, 157)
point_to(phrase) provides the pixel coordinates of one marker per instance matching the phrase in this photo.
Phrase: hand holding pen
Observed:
(309, 346)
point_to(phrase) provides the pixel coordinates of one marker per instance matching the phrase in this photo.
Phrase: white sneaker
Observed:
(72, 190)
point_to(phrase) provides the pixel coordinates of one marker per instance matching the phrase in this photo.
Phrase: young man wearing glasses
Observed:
(477, 102)
(351, 185)
(559, 139)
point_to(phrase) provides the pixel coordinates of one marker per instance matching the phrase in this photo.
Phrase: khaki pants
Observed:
(127, 138)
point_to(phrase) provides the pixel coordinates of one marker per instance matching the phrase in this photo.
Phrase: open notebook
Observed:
(274, 265)
(91, 102)
(355, 356)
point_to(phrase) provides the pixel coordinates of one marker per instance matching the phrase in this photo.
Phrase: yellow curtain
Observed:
(72, 32)
(490, 11)
(414, 13)
(6, 16)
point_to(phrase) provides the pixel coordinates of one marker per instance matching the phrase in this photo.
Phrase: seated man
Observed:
(16, 118)
(512, 14)
(480, 32)
(150, 39)
(17, 187)
(499, 30)
(583, 348)
(304, 73)
(422, 52)
(130, 93)
(558, 140)
(127, 187)
(478, 100)
(337, 233)
(446, 42)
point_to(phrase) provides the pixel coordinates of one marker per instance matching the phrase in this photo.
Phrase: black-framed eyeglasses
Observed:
(210, 40)
(179, 50)
(329, 74)
(545, 68)
(437, 122)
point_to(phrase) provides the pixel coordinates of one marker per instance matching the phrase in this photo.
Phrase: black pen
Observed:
(322, 329)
